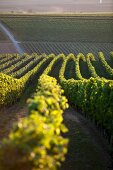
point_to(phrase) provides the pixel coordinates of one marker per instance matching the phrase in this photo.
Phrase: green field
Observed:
(61, 29)
(62, 34)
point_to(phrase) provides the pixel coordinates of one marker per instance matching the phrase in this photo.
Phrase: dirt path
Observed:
(87, 150)
(11, 37)
(8, 116)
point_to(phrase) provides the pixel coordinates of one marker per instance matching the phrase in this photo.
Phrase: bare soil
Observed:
(6, 47)
(8, 116)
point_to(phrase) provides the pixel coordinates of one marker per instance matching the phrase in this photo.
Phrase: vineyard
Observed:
(91, 91)
(61, 34)
(66, 47)
(18, 72)
(50, 80)
(60, 29)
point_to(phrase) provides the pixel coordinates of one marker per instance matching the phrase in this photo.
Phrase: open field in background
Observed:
(61, 29)
(62, 34)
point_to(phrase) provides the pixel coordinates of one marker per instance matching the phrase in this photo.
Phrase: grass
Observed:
(60, 29)
(62, 33)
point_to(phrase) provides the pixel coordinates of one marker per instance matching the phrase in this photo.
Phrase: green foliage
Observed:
(35, 142)
(80, 56)
(90, 57)
(16, 63)
(5, 58)
(10, 63)
(20, 72)
(108, 69)
(10, 89)
(77, 67)
(49, 68)
(94, 96)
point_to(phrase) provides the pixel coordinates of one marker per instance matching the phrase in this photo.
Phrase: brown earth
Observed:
(6, 47)
(8, 116)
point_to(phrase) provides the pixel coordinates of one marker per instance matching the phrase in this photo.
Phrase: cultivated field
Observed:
(61, 29)
(89, 90)
(27, 67)
(68, 62)
(50, 34)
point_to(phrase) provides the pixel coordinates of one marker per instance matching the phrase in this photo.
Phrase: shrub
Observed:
(10, 89)
(35, 142)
